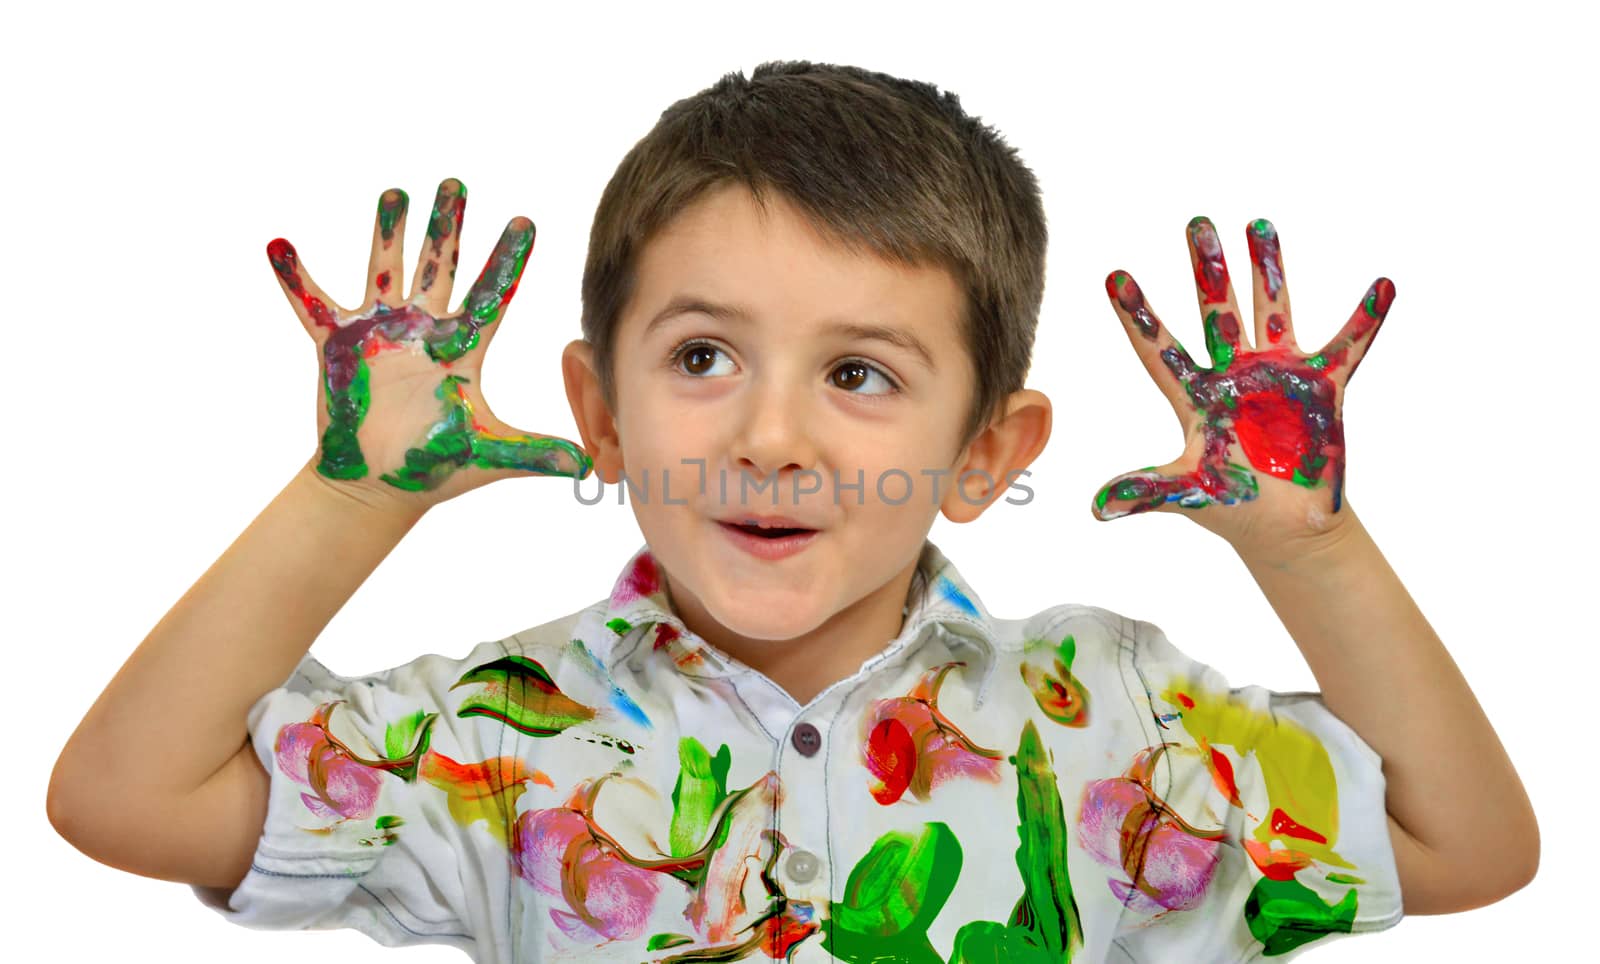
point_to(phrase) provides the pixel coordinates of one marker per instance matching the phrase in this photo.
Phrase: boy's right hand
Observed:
(401, 414)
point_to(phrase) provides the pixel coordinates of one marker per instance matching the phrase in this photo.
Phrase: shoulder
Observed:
(549, 644)
(1096, 632)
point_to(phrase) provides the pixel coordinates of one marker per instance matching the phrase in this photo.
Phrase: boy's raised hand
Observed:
(400, 410)
(1264, 462)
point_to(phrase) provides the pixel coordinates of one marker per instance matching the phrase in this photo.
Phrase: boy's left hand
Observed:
(1264, 462)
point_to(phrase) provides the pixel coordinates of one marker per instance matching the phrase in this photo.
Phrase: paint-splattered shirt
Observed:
(609, 787)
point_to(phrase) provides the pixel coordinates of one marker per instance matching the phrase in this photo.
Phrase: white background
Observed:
(166, 393)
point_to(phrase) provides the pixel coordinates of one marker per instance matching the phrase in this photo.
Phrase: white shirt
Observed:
(610, 787)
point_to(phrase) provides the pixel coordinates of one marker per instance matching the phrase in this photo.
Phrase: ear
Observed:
(998, 456)
(596, 425)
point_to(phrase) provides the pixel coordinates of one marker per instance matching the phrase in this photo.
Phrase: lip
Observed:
(769, 521)
(771, 549)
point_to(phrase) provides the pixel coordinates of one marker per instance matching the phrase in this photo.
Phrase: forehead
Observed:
(775, 267)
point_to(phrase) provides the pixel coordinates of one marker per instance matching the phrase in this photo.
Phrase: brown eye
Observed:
(856, 374)
(852, 375)
(698, 359)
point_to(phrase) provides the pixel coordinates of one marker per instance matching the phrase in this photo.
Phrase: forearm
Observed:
(175, 712)
(1383, 670)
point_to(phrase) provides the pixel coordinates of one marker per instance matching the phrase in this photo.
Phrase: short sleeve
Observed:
(1270, 812)
(370, 806)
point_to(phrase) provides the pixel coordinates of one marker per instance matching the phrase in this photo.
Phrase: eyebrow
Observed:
(899, 337)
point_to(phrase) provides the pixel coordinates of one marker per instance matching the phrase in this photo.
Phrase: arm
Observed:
(403, 426)
(1384, 671)
(173, 717)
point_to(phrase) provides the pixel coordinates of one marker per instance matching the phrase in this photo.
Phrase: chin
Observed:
(758, 619)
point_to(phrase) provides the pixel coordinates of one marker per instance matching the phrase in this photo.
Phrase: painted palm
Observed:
(417, 361)
(1263, 425)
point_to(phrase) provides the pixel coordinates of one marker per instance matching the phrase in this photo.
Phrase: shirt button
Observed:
(802, 866)
(806, 739)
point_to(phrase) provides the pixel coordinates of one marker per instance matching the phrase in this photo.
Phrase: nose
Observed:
(774, 438)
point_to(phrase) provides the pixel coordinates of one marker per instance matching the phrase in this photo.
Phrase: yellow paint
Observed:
(1295, 767)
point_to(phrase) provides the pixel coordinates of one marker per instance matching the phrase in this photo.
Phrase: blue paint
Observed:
(622, 701)
(956, 596)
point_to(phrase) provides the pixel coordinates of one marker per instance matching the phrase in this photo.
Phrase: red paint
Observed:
(1222, 774)
(643, 580)
(666, 635)
(1285, 826)
(891, 754)
(1272, 432)
(1210, 269)
(384, 280)
(287, 264)
(1276, 864)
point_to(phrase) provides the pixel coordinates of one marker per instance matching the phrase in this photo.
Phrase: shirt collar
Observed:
(939, 597)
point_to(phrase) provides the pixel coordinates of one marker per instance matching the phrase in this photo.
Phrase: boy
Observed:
(792, 730)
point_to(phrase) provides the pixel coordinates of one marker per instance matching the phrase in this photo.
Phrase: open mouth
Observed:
(765, 533)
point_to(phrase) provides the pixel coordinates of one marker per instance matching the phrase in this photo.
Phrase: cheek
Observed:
(912, 452)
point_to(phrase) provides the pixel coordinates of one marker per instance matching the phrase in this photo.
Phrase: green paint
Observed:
(892, 897)
(400, 735)
(1318, 361)
(1047, 909)
(1244, 481)
(519, 692)
(660, 941)
(341, 453)
(440, 222)
(453, 443)
(702, 784)
(1285, 914)
(391, 208)
(620, 626)
(1221, 351)
(489, 293)
(1044, 925)
(896, 891)
(1339, 878)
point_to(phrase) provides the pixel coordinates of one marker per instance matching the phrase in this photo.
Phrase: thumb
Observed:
(1152, 489)
(496, 445)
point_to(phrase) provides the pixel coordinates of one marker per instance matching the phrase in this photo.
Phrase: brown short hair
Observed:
(872, 161)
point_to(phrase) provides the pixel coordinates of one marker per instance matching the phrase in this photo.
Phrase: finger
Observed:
(388, 241)
(315, 309)
(1346, 349)
(531, 453)
(436, 264)
(488, 297)
(472, 436)
(472, 326)
(1193, 480)
(1164, 358)
(1215, 292)
(1274, 324)
(1152, 489)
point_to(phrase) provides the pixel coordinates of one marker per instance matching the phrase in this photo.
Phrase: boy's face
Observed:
(785, 395)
